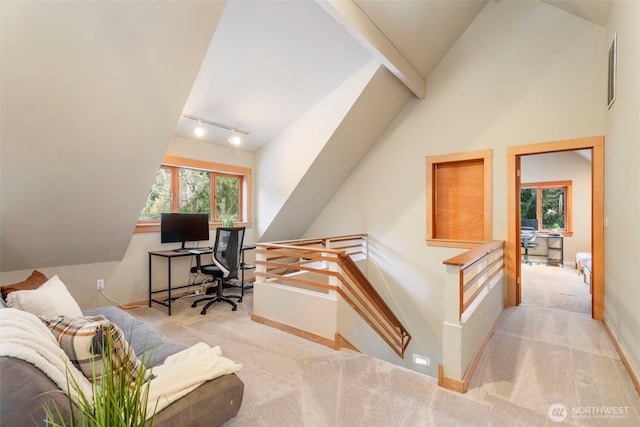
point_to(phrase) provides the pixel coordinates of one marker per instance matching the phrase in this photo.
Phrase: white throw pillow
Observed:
(51, 299)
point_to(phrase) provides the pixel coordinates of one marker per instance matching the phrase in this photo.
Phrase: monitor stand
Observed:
(182, 249)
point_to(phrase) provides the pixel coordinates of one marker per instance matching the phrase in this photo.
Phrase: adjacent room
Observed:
(555, 212)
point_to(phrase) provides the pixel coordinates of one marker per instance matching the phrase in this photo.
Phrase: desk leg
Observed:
(169, 283)
(242, 276)
(150, 280)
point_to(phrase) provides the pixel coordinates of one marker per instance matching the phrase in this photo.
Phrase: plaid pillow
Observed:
(84, 340)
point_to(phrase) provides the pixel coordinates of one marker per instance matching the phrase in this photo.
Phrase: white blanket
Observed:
(25, 337)
(184, 371)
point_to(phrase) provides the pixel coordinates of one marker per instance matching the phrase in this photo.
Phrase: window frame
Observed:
(568, 213)
(175, 163)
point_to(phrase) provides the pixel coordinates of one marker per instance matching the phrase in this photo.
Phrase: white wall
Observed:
(283, 162)
(91, 93)
(622, 176)
(566, 166)
(126, 281)
(523, 72)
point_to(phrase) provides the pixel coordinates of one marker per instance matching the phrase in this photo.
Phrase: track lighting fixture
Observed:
(201, 130)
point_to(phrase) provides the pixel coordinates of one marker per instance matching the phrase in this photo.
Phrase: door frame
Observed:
(596, 144)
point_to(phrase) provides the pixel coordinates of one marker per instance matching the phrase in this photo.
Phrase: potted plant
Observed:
(116, 401)
(227, 220)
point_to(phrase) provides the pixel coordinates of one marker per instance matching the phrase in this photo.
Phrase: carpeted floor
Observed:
(555, 287)
(537, 357)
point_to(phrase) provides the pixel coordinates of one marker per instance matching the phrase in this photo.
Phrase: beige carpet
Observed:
(555, 287)
(537, 357)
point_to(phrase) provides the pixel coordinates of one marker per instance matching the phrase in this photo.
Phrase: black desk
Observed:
(169, 255)
(552, 249)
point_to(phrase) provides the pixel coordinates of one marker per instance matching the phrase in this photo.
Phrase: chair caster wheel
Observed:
(194, 304)
(240, 300)
(234, 308)
(203, 312)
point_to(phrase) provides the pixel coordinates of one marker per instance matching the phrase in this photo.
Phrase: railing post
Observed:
(452, 295)
(261, 267)
(365, 247)
(452, 329)
(475, 311)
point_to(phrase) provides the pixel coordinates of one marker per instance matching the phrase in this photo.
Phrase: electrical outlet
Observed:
(100, 284)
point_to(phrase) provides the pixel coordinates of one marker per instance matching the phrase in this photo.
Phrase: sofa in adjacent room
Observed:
(25, 388)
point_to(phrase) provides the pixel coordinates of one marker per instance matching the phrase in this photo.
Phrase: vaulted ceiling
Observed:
(242, 81)
(93, 91)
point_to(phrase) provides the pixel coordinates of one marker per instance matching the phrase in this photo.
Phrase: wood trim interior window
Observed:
(217, 169)
(459, 199)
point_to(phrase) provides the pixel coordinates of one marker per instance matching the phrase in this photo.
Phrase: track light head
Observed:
(200, 130)
(234, 138)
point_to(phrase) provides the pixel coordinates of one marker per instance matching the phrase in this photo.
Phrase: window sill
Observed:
(154, 227)
(467, 244)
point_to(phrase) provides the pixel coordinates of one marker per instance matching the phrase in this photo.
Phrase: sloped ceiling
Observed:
(596, 11)
(423, 31)
(372, 112)
(270, 61)
(91, 93)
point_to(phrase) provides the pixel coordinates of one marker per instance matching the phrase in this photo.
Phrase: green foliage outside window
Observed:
(194, 194)
(552, 209)
(159, 199)
(195, 191)
(528, 201)
(227, 197)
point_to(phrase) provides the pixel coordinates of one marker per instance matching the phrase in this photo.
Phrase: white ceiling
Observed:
(270, 61)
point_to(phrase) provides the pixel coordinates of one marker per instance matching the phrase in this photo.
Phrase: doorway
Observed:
(514, 154)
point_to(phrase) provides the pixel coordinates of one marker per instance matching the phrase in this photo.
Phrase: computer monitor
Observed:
(533, 223)
(183, 227)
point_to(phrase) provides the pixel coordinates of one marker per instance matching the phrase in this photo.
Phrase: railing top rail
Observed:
(296, 248)
(300, 242)
(375, 298)
(474, 254)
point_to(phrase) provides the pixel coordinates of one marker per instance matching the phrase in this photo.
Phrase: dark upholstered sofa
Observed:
(24, 389)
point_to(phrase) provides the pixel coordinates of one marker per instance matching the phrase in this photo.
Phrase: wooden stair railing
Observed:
(389, 328)
(280, 260)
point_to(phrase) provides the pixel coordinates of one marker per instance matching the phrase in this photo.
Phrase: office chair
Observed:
(527, 237)
(226, 257)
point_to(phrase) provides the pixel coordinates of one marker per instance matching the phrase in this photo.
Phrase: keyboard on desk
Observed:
(200, 251)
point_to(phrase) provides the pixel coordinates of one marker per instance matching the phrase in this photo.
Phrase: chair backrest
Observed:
(528, 235)
(227, 250)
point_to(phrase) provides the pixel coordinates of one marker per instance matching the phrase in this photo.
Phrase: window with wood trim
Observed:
(195, 186)
(459, 199)
(549, 203)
